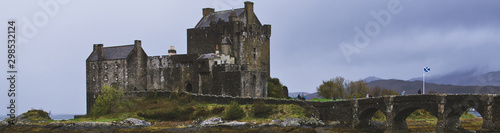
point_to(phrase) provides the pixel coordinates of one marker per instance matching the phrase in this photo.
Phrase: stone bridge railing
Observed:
(446, 108)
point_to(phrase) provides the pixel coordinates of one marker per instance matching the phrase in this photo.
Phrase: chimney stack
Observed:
(217, 49)
(138, 47)
(172, 51)
(98, 48)
(207, 11)
(249, 12)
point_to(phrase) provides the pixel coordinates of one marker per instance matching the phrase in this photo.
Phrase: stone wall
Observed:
(215, 99)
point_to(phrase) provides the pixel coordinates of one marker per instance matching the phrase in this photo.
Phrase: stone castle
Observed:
(227, 54)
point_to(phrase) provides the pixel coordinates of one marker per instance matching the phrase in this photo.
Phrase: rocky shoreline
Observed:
(136, 125)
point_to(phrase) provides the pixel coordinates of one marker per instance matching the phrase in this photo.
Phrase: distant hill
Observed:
(411, 87)
(468, 78)
(371, 78)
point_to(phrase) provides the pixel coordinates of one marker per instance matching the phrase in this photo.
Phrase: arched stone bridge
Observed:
(446, 108)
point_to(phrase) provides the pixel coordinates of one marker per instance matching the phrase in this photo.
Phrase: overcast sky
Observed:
(311, 41)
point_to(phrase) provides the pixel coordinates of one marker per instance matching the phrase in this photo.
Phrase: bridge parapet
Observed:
(447, 108)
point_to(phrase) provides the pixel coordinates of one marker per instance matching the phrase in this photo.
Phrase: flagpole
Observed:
(423, 82)
(426, 69)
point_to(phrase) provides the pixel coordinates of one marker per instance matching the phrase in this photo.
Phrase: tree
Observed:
(333, 88)
(274, 88)
(326, 89)
(339, 84)
(359, 88)
(388, 92)
(107, 99)
(376, 91)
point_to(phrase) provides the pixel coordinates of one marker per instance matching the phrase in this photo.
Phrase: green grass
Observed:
(321, 100)
(183, 108)
(467, 115)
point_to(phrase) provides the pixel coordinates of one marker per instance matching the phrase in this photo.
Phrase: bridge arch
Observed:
(399, 119)
(366, 115)
(366, 108)
(457, 106)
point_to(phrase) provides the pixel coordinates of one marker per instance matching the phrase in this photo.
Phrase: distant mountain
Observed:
(491, 78)
(308, 95)
(371, 78)
(411, 87)
(467, 78)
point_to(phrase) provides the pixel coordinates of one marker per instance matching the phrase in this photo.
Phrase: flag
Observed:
(427, 69)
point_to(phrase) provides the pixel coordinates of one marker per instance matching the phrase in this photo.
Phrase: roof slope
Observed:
(113, 53)
(219, 15)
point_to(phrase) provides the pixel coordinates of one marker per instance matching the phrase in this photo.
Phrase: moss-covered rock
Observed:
(33, 116)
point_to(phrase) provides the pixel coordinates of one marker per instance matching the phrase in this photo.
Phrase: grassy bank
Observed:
(179, 108)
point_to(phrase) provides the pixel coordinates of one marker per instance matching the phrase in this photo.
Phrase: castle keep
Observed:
(227, 54)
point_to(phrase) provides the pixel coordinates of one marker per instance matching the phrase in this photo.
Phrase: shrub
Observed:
(106, 101)
(260, 109)
(233, 112)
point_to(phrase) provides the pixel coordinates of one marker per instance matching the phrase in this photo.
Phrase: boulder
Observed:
(135, 122)
(290, 122)
(211, 121)
(235, 123)
(314, 122)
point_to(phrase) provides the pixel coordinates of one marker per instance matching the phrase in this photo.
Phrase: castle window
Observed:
(225, 62)
(106, 66)
(93, 78)
(106, 77)
(188, 64)
(162, 78)
(176, 64)
(116, 65)
(93, 66)
(215, 62)
(169, 65)
(94, 96)
(254, 53)
(116, 77)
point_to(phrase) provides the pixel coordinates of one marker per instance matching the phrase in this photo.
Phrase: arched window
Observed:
(189, 87)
